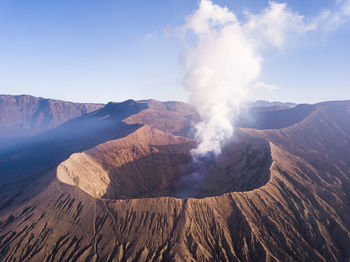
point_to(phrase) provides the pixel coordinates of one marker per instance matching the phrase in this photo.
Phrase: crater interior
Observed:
(150, 163)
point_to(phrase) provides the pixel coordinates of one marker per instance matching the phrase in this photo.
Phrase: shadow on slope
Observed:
(261, 118)
(24, 164)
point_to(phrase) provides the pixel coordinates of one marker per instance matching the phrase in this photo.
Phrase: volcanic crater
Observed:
(132, 151)
(150, 163)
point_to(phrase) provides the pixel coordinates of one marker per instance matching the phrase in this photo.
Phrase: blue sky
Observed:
(100, 51)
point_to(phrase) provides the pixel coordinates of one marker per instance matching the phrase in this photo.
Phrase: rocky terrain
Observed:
(116, 185)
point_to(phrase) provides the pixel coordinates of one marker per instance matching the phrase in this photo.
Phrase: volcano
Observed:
(116, 184)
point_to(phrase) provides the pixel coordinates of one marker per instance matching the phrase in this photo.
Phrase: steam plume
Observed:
(219, 70)
(224, 63)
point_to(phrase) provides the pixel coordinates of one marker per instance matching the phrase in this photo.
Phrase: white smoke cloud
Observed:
(218, 71)
(262, 85)
(329, 20)
(224, 64)
(275, 24)
(151, 35)
(223, 67)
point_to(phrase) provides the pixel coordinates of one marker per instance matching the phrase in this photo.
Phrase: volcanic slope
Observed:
(301, 213)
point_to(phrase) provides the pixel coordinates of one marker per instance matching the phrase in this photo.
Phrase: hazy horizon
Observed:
(146, 99)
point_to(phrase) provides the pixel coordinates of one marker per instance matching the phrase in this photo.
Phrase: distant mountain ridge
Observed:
(25, 115)
(22, 116)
